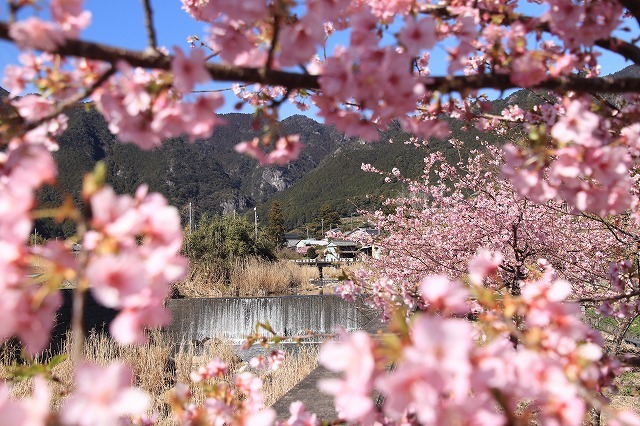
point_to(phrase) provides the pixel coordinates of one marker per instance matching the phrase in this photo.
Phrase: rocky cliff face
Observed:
(209, 174)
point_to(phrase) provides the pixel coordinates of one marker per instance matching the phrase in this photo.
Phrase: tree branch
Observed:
(224, 72)
(606, 298)
(148, 23)
(625, 49)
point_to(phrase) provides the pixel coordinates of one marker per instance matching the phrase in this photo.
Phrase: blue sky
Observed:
(120, 22)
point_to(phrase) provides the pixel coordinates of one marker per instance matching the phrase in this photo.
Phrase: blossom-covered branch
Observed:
(293, 80)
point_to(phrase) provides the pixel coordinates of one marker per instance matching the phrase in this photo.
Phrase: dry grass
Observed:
(246, 277)
(253, 277)
(156, 370)
(294, 368)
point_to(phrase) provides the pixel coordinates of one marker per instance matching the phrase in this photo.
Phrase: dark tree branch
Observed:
(148, 23)
(606, 298)
(224, 72)
(625, 49)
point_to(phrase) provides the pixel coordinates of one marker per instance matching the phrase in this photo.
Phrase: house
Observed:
(372, 250)
(363, 232)
(291, 240)
(311, 242)
(338, 250)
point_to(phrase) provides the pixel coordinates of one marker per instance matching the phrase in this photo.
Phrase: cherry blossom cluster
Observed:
(236, 403)
(286, 149)
(524, 239)
(25, 166)
(440, 226)
(448, 370)
(272, 362)
(135, 248)
(102, 396)
(141, 110)
(588, 167)
(68, 19)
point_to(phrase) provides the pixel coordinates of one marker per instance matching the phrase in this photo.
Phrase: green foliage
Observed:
(276, 230)
(225, 238)
(329, 216)
(32, 368)
(339, 182)
(311, 253)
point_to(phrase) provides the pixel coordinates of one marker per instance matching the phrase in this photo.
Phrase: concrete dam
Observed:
(232, 318)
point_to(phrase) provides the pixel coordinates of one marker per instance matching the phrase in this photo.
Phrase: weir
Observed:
(234, 318)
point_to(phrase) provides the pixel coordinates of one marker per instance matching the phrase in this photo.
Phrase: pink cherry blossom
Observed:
(252, 149)
(188, 71)
(33, 33)
(577, 125)
(528, 70)
(443, 295)
(300, 416)
(70, 16)
(103, 396)
(353, 356)
(11, 412)
(483, 265)
(418, 35)
(287, 149)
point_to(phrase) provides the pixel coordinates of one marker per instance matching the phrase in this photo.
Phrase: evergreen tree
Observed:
(330, 215)
(275, 230)
(225, 238)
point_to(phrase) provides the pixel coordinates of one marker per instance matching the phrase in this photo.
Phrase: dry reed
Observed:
(156, 369)
(294, 368)
(246, 277)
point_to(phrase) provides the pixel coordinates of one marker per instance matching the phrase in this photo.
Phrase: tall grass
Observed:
(248, 276)
(156, 369)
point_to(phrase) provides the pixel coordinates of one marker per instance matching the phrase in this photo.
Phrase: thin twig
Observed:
(86, 92)
(79, 292)
(148, 23)
(613, 44)
(274, 41)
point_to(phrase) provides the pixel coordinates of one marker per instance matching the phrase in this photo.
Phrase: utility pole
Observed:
(322, 221)
(255, 214)
(190, 217)
(307, 232)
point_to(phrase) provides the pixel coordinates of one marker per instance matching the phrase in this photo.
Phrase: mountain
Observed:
(209, 174)
(215, 179)
(340, 182)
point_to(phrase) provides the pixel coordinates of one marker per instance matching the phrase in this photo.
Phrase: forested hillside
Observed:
(340, 182)
(215, 179)
(208, 173)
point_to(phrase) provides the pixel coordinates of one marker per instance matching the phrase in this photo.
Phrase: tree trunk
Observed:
(617, 339)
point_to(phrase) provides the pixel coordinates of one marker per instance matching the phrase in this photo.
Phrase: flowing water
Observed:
(196, 320)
